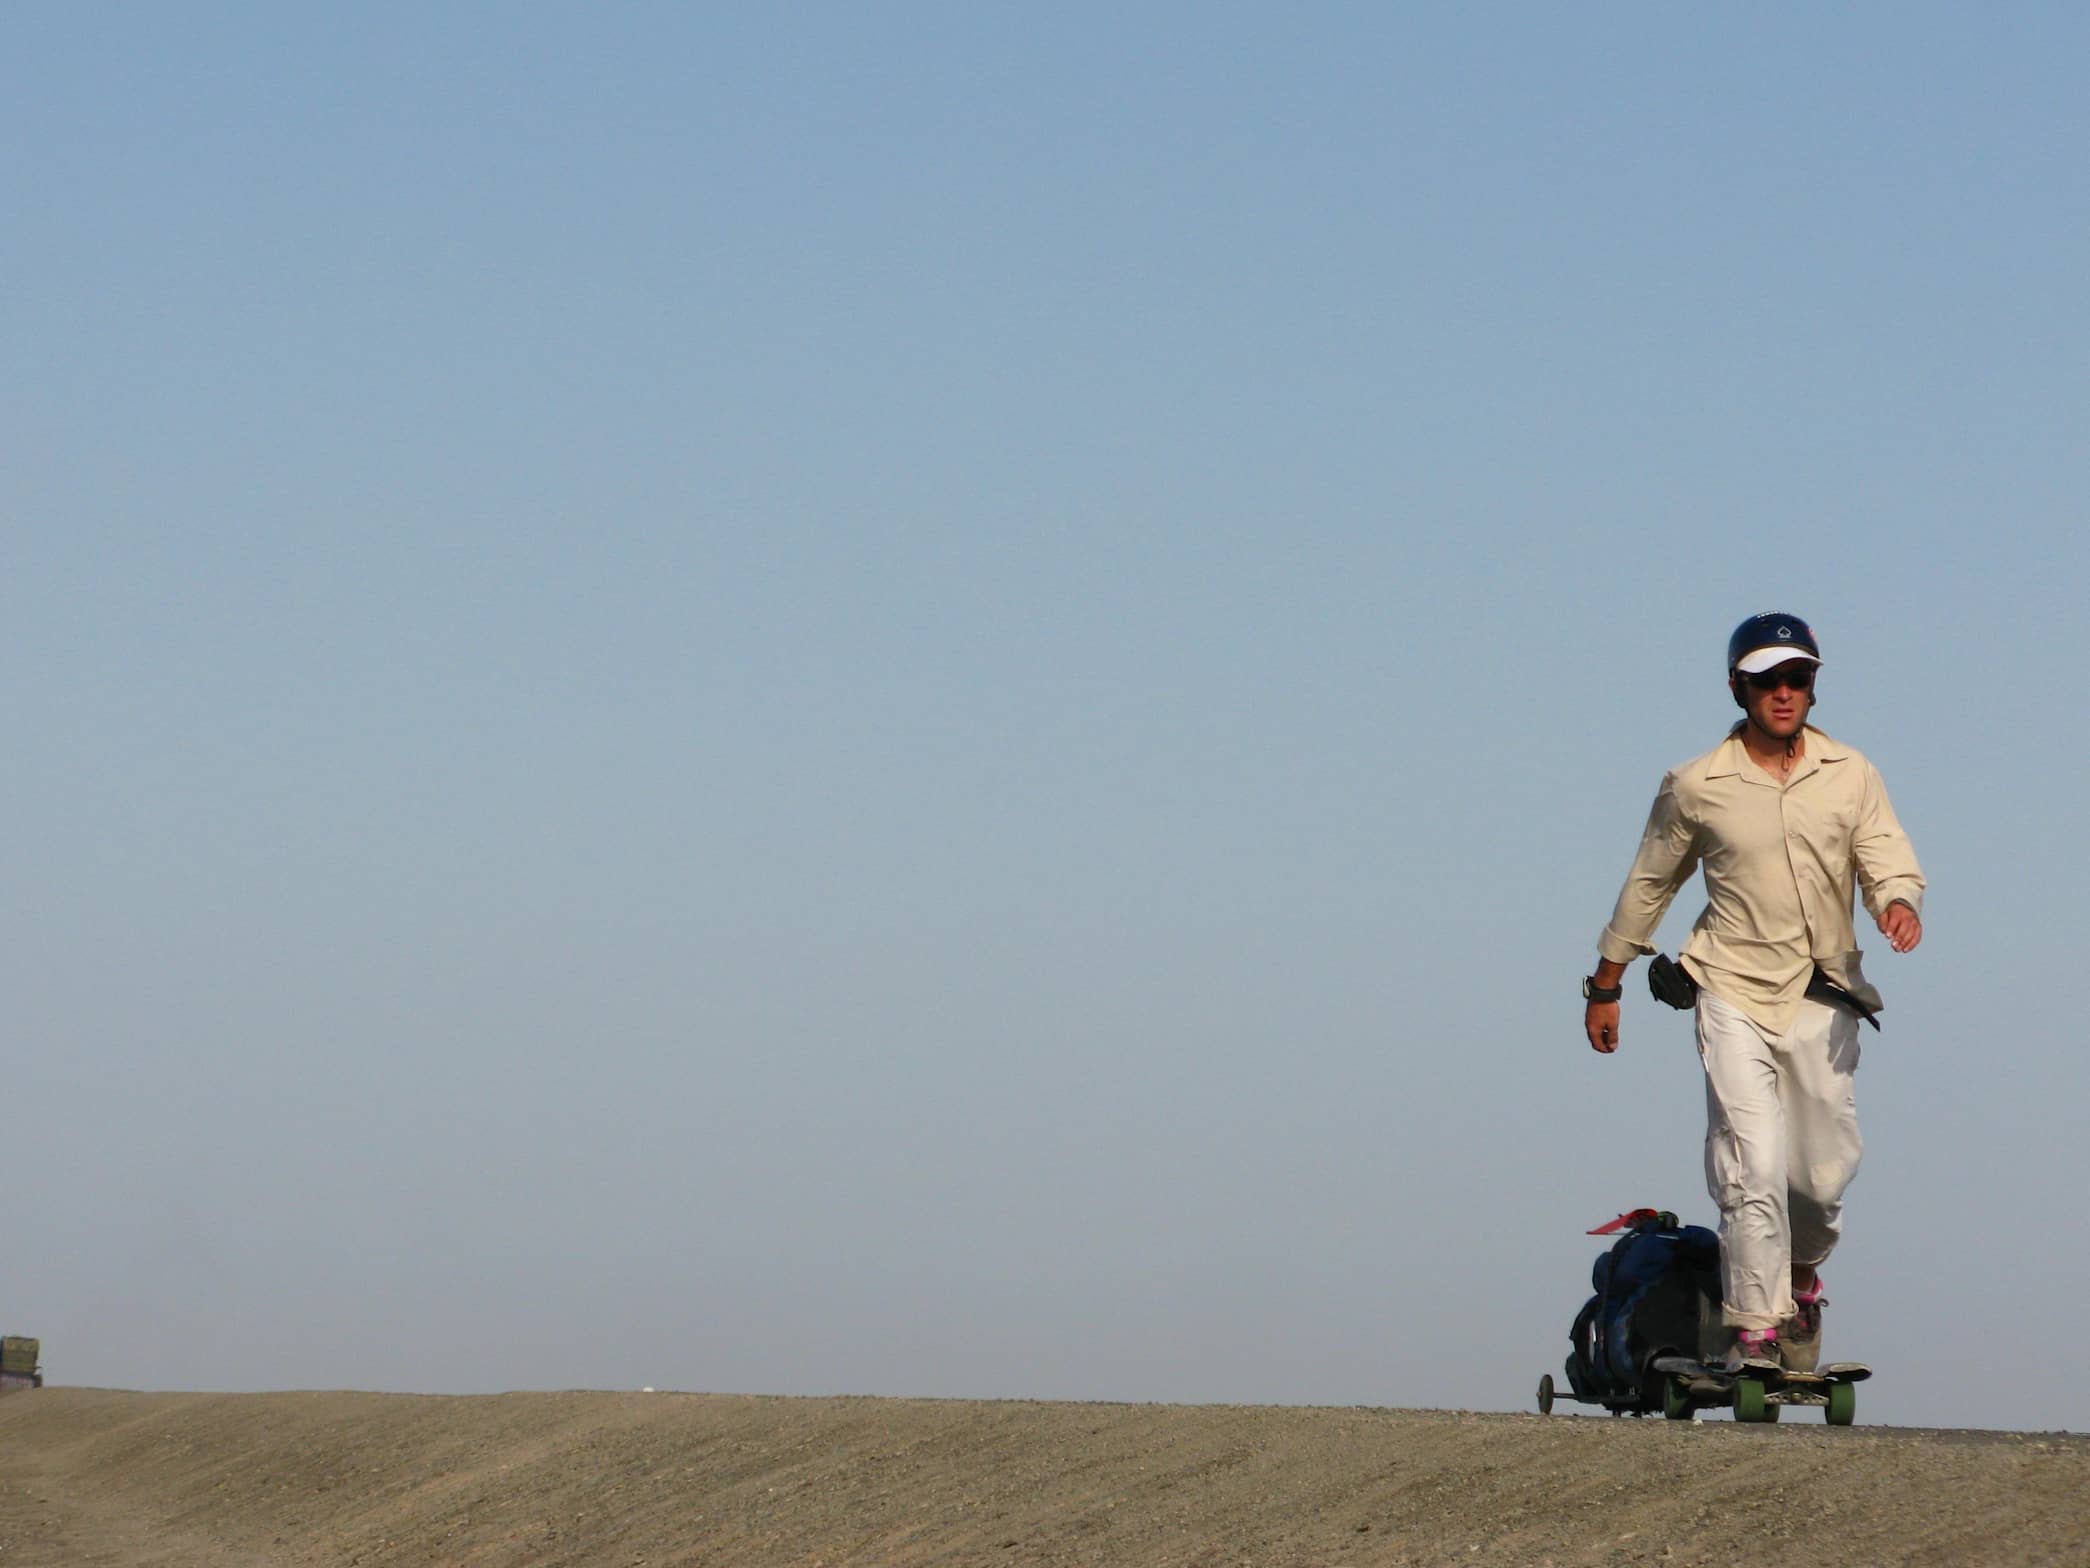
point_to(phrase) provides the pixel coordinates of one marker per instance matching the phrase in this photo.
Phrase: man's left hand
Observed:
(1901, 926)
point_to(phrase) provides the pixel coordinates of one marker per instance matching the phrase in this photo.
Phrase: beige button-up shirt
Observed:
(1780, 861)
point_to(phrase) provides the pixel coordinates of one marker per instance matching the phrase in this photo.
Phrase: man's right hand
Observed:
(1600, 1019)
(1600, 1022)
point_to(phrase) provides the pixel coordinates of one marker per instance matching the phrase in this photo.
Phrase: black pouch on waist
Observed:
(1823, 989)
(1671, 982)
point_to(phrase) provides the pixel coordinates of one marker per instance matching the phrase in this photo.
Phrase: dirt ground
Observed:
(93, 1478)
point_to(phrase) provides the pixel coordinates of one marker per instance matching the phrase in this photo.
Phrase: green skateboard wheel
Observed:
(1676, 1400)
(1843, 1404)
(1749, 1404)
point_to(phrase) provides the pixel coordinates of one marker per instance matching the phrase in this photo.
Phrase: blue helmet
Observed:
(1763, 642)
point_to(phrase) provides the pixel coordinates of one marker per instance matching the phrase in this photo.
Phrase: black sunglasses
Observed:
(1800, 677)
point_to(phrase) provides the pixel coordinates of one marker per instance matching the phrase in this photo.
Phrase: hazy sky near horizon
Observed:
(940, 700)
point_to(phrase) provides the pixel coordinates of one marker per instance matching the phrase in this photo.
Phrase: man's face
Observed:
(1777, 699)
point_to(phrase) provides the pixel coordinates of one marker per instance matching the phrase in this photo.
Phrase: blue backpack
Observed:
(1657, 1294)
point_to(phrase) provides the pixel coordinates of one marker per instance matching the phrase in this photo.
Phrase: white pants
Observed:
(1781, 1144)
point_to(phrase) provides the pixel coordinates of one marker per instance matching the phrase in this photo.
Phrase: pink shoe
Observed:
(1801, 1334)
(1754, 1349)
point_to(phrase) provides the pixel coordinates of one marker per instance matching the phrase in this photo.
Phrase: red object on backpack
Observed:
(1612, 1227)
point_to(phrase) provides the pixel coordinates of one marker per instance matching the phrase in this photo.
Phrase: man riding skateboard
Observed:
(1787, 824)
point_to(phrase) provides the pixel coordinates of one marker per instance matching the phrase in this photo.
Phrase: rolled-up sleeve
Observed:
(1886, 860)
(1668, 856)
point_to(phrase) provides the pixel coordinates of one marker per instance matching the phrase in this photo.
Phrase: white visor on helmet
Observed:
(1756, 662)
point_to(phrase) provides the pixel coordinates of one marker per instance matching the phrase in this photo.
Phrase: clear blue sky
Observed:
(940, 699)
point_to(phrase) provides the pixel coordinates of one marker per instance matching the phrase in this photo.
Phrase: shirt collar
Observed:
(1730, 760)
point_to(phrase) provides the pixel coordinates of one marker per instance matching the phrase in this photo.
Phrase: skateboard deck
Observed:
(1759, 1393)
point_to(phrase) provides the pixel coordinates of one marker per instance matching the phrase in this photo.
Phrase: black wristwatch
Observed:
(1592, 992)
